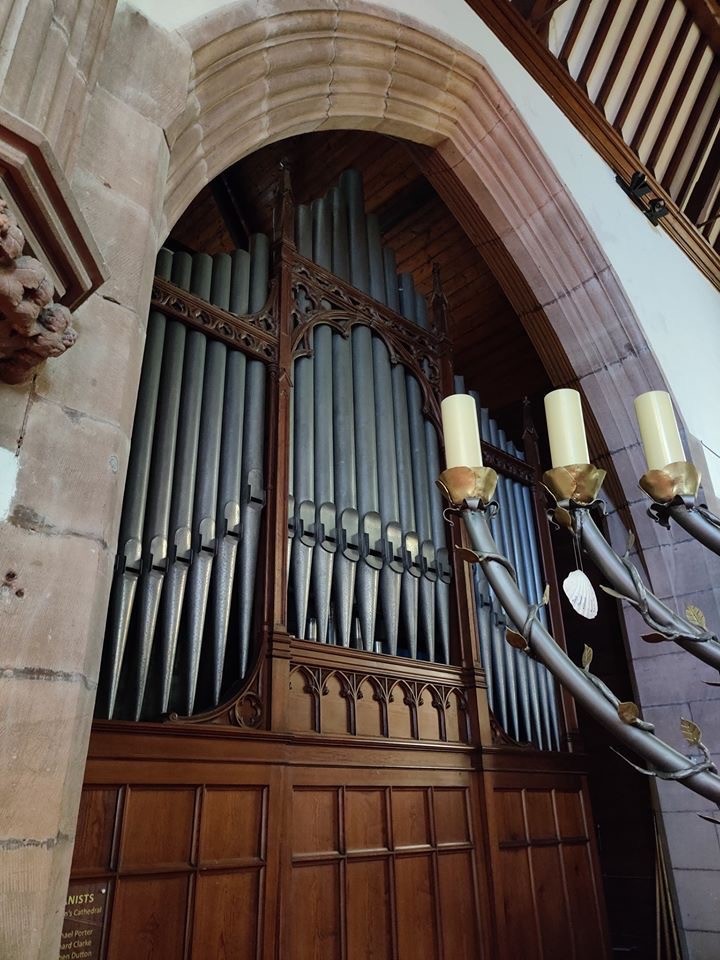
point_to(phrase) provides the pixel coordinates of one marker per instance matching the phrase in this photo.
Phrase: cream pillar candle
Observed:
(566, 429)
(658, 429)
(460, 429)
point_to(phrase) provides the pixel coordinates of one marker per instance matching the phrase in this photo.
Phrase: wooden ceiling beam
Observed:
(628, 35)
(677, 103)
(599, 38)
(701, 101)
(643, 65)
(662, 81)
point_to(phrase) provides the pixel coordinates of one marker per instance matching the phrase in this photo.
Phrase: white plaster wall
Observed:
(677, 307)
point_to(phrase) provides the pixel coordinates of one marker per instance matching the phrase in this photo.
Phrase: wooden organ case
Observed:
(347, 795)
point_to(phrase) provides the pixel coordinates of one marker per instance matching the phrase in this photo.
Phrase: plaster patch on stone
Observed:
(9, 466)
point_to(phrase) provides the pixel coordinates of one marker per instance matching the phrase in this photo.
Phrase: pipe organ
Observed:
(190, 527)
(311, 662)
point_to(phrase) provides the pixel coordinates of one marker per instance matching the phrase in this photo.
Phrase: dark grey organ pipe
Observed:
(228, 514)
(253, 492)
(326, 519)
(421, 490)
(368, 499)
(136, 487)
(406, 496)
(387, 467)
(157, 515)
(204, 512)
(303, 230)
(437, 522)
(351, 187)
(181, 508)
(239, 282)
(392, 289)
(340, 236)
(376, 262)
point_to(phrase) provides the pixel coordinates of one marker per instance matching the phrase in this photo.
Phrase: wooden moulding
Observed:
(34, 186)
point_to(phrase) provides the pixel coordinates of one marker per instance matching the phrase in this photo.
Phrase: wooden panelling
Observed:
(95, 829)
(366, 820)
(149, 918)
(416, 921)
(456, 884)
(226, 916)
(369, 915)
(315, 930)
(451, 817)
(157, 829)
(232, 824)
(545, 865)
(410, 818)
(315, 821)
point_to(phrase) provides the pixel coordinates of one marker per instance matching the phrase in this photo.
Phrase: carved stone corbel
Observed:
(32, 327)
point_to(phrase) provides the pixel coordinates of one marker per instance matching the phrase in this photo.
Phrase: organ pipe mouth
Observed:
(678, 479)
(462, 485)
(577, 482)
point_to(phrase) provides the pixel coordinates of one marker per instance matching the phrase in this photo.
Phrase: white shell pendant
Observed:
(581, 594)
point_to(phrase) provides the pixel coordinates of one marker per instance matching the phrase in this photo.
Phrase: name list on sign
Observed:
(83, 926)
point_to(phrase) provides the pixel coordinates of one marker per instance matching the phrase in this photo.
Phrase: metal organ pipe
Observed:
(184, 498)
(366, 504)
(522, 691)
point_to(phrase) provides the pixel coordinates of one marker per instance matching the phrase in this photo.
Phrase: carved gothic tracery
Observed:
(32, 327)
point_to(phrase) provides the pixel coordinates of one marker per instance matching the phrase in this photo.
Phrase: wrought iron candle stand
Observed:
(576, 492)
(469, 492)
(673, 491)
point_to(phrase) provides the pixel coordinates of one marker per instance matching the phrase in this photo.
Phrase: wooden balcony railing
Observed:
(641, 81)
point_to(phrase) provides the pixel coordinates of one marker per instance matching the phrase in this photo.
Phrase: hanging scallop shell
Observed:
(581, 594)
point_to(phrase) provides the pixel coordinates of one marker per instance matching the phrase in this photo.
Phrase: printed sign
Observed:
(84, 920)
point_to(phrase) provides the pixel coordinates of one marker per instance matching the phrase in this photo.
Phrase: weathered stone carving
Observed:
(32, 327)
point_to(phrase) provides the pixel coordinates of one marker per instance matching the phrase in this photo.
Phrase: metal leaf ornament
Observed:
(691, 731)
(695, 615)
(628, 711)
(581, 594)
(587, 657)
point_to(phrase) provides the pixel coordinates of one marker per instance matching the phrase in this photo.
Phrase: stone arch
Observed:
(259, 77)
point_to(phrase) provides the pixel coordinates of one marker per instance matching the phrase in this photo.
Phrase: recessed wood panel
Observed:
(583, 903)
(428, 718)
(232, 823)
(551, 909)
(315, 821)
(334, 708)
(410, 818)
(95, 828)
(301, 705)
(451, 816)
(540, 815)
(158, 828)
(414, 904)
(510, 816)
(457, 906)
(369, 930)
(315, 928)
(226, 915)
(365, 820)
(368, 712)
(570, 815)
(455, 725)
(515, 882)
(399, 717)
(148, 918)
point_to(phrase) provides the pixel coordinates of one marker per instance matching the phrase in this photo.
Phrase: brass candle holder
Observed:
(679, 479)
(468, 487)
(576, 483)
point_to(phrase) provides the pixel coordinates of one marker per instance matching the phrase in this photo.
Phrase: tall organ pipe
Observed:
(325, 513)
(181, 508)
(136, 487)
(253, 491)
